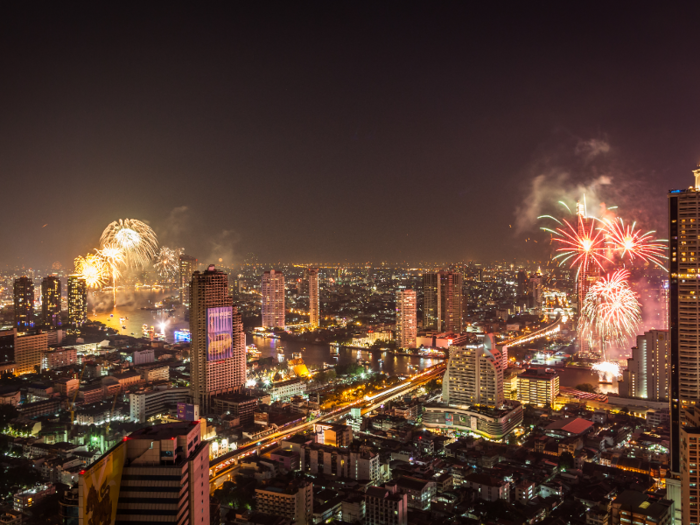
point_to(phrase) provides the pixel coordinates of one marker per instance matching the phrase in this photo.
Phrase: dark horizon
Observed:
(329, 132)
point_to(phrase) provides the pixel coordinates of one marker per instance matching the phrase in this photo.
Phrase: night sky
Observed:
(339, 131)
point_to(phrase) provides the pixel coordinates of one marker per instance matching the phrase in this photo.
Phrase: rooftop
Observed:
(572, 426)
(167, 431)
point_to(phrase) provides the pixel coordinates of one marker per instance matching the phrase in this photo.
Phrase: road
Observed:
(220, 469)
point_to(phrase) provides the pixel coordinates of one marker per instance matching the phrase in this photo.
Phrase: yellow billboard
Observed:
(98, 488)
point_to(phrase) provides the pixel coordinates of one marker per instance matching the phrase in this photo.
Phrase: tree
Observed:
(586, 387)
(566, 461)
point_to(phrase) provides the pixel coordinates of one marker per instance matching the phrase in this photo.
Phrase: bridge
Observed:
(221, 468)
(537, 334)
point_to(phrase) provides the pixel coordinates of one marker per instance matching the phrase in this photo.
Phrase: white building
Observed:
(474, 376)
(406, 324)
(142, 357)
(147, 403)
(647, 374)
(273, 299)
(283, 390)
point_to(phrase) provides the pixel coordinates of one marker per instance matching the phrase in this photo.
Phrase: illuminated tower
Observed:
(684, 310)
(77, 301)
(23, 293)
(217, 355)
(406, 326)
(430, 301)
(51, 301)
(314, 299)
(273, 299)
(442, 301)
(188, 265)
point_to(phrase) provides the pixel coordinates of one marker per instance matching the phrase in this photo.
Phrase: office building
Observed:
(29, 352)
(684, 316)
(7, 345)
(217, 352)
(273, 299)
(23, 294)
(647, 374)
(158, 474)
(188, 265)
(406, 324)
(632, 506)
(292, 500)
(385, 506)
(442, 301)
(314, 298)
(148, 403)
(77, 301)
(689, 474)
(474, 376)
(536, 289)
(538, 386)
(51, 302)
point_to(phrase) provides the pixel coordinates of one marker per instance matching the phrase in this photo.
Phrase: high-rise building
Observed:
(538, 386)
(77, 301)
(160, 471)
(430, 301)
(442, 301)
(647, 374)
(314, 299)
(29, 352)
(188, 265)
(294, 501)
(51, 301)
(474, 376)
(536, 289)
(7, 345)
(218, 342)
(406, 325)
(523, 281)
(386, 506)
(684, 315)
(273, 299)
(690, 474)
(23, 293)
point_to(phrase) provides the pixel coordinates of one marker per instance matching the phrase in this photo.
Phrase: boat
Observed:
(280, 351)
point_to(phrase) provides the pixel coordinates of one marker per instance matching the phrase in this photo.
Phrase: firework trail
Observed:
(93, 269)
(135, 239)
(167, 262)
(607, 370)
(611, 311)
(631, 243)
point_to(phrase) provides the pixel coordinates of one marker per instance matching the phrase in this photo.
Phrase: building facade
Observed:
(273, 307)
(77, 301)
(23, 294)
(385, 506)
(188, 265)
(314, 298)
(218, 342)
(442, 301)
(51, 302)
(29, 352)
(157, 472)
(538, 386)
(148, 403)
(406, 323)
(492, 423)
(293, 501)
(474, 376)
(647, 374)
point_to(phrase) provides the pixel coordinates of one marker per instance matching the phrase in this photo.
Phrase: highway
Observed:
(220, 468)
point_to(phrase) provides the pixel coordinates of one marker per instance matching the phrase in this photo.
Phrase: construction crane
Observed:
(111, 414)
(75, 395)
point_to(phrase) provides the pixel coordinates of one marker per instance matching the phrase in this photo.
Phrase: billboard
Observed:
(183, 336)
(187, 412)
(98, 488)
(449, 419)
(219, 330)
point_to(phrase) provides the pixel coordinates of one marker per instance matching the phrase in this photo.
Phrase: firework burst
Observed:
(135, 239)
(93, 269)
(607, 370)
(167, 262)
(114, 258)
(631, 243)
(579, 247)
(611, 311)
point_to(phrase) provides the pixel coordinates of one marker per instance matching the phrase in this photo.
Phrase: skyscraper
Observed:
(218, 341)
(646, 376)
(160, 471)
(536, 289)
(430, 301)
(188, 265)
(684, 316)
(474, 376)
(690, 474)
(51, 301)
(273, 299)
(314, 299)
(406, 325)
(442, 301)
(23, 293)
(77, 301)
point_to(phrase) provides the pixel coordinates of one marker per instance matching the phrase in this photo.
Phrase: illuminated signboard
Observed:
(183, 336)
(98, 488)
(449, 420)
(219, 330)
(187, 412)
